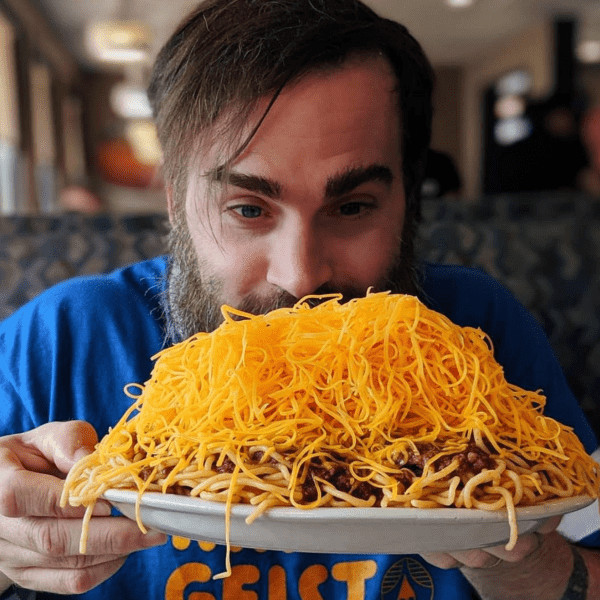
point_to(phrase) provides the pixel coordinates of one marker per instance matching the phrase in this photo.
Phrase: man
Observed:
(294, 134)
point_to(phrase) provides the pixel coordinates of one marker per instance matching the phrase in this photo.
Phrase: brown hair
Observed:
(228, 54)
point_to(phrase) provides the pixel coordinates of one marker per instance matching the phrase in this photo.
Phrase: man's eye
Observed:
(248, 211)
(351, 209)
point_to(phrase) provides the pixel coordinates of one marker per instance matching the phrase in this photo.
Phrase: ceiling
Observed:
(449, 36)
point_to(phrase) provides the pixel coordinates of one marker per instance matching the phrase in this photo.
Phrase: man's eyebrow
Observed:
(252, 183)
(336, 186)
(350, 179)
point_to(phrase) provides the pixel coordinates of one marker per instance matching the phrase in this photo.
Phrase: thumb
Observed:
(33, 464)
(61, 443)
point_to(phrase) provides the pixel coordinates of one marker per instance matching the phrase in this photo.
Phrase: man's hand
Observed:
(39, 540)
(491, 557)
(537, 568)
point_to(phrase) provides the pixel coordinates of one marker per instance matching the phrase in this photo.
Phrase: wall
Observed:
(447, 111)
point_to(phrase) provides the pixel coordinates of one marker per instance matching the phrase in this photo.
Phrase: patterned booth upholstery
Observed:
(545, 249)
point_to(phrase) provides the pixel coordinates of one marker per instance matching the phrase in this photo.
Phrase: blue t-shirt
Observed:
(68, 354)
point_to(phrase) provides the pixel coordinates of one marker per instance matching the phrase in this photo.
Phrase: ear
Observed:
(169, 191)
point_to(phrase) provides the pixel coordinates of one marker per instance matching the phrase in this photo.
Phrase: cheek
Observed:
(247, 261)
(367, 260)
(236, 264)
(209, 252)
(376, 253)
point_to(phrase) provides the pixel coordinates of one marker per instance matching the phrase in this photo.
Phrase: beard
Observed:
(192, 298)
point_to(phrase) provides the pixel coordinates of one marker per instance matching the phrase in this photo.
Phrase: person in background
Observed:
(553, 157)
(78, 198)
(442, 179)
(295, 134)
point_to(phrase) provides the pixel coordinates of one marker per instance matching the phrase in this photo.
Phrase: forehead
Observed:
(361, 85)
(330, 112)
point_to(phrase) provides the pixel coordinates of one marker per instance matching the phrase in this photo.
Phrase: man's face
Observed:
(314, 204)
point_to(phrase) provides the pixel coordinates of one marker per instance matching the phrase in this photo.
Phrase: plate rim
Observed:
(193, 505)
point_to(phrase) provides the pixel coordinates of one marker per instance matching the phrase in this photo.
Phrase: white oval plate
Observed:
(337, 530)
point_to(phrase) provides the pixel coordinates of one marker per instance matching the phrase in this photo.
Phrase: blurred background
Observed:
(517, 99)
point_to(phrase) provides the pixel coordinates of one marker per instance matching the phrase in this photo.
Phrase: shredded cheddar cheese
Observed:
(266, 408)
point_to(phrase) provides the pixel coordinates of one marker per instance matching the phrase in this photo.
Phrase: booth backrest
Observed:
(37, 252)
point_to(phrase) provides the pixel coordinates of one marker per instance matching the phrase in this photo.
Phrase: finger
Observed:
(62, 444)
(17, 456)
(25, 494)
(526, 544)
(15, 558)
(475, 558)
(120, 535)
(65, 581)
(52, 448)
(442, 560)
(60, 537)
(550, 525)
(480, 558)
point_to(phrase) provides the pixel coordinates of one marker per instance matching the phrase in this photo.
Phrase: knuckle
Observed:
(451, 563)
(122, 538)
(86, 429)
(9, 504)
(115, 544)
(48, 537)
(79, 581)
(72, 575)
(81, 432)
(482, 561)
(441, 560)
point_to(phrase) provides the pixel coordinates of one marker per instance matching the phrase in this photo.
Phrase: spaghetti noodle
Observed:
(376, 402)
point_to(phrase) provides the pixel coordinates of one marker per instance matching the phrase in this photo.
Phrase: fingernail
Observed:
(81, 453)
(102, 509)
(155, 538)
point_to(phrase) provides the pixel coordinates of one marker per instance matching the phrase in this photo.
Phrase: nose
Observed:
(297, 262)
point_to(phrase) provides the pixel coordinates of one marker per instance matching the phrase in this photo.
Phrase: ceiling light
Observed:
(518, 82)
(589, 51)
(118, 41)
(130, 101)
(459, 3)
(513, 130)
(144, 141)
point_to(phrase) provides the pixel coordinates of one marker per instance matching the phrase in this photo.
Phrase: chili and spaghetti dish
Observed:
(380, 401)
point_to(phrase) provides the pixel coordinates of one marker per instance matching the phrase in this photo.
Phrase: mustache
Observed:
(255, 305)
